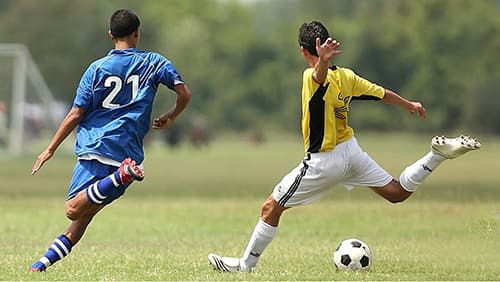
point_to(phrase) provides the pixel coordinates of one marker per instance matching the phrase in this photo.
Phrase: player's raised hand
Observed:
(42, 158)
(328, 49)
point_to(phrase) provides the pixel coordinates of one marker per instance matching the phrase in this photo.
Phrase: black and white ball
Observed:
(352, 254)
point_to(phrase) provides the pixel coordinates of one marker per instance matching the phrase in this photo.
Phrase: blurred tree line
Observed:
(242, 61)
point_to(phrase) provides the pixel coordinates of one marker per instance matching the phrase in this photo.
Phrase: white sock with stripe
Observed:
(416, 173)
(262, 235)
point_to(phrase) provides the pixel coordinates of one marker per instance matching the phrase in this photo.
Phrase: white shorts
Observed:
(346, 164)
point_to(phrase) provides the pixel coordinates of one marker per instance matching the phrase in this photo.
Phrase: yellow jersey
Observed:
(325, 107)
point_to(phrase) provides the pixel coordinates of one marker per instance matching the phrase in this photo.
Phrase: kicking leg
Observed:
(442, 148)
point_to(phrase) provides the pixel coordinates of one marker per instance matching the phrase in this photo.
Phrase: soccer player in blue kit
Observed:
(112, 114)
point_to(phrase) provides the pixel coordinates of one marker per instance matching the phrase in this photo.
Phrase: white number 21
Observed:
(116, 83)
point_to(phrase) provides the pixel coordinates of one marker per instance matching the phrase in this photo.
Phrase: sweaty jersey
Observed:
(325, 107)
(117, 93)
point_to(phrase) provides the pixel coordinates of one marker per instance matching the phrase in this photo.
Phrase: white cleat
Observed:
(226, 264)
(451, 148)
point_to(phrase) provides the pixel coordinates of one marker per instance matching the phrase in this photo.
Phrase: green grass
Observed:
(193, 202)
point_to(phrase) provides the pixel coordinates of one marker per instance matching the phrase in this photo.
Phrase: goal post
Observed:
(25, 71)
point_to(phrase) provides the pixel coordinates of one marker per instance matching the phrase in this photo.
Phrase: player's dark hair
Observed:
(308, 33)
(123, 23)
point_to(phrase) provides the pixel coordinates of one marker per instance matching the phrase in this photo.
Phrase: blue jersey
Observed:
(117, 93)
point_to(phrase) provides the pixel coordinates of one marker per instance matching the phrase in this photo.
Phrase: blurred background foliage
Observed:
(242, 61)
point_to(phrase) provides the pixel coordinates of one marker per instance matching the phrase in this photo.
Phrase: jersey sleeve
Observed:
(364, 89)
(84, 92)
(167, 74)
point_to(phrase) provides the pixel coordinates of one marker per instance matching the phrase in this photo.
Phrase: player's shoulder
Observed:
(94, 66)
(98, 63)
(341, 70)
(152, 56)
(308, 72)
(343, 73)
(332, 69)
(337, 73)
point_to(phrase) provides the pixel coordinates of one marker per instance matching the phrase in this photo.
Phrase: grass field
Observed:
(193, 202)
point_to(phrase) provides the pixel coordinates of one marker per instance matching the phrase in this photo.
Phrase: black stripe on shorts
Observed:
(294, 185)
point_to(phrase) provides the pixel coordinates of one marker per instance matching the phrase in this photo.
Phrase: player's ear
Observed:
(304, 51)
(111, 35)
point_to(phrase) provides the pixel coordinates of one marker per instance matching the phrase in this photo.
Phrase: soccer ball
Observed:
(352, 254)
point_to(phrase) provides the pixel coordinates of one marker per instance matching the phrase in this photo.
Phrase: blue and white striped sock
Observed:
(57, 251)
(100, 190)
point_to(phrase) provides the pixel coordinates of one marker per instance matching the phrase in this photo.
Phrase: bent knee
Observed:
(269, 206)
(396, 200)
(392, 192)
(271, 209)
(72, 212)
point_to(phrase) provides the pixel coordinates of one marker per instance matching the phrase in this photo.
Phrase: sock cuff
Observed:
(406, 183)
(266, 229)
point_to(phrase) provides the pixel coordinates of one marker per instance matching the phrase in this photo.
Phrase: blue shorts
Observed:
(87, 172)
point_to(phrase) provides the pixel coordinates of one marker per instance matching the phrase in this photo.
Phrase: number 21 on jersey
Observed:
(116, 83)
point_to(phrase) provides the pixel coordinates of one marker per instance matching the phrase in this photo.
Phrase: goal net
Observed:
(28, 110)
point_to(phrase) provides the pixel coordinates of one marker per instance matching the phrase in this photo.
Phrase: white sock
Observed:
(416, 173)
(262, 235)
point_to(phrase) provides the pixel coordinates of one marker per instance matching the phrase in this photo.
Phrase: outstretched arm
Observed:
(168, 118)
(74, 116)
(412, 107)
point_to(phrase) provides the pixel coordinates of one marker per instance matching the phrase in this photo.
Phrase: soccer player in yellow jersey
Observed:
(333, 155)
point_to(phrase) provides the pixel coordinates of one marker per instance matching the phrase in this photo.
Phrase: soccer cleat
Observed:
(451, 148)
(129, 171)
(226, 264)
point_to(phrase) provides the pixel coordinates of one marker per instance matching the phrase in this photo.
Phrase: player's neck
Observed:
(312, 61)
(124, 44)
